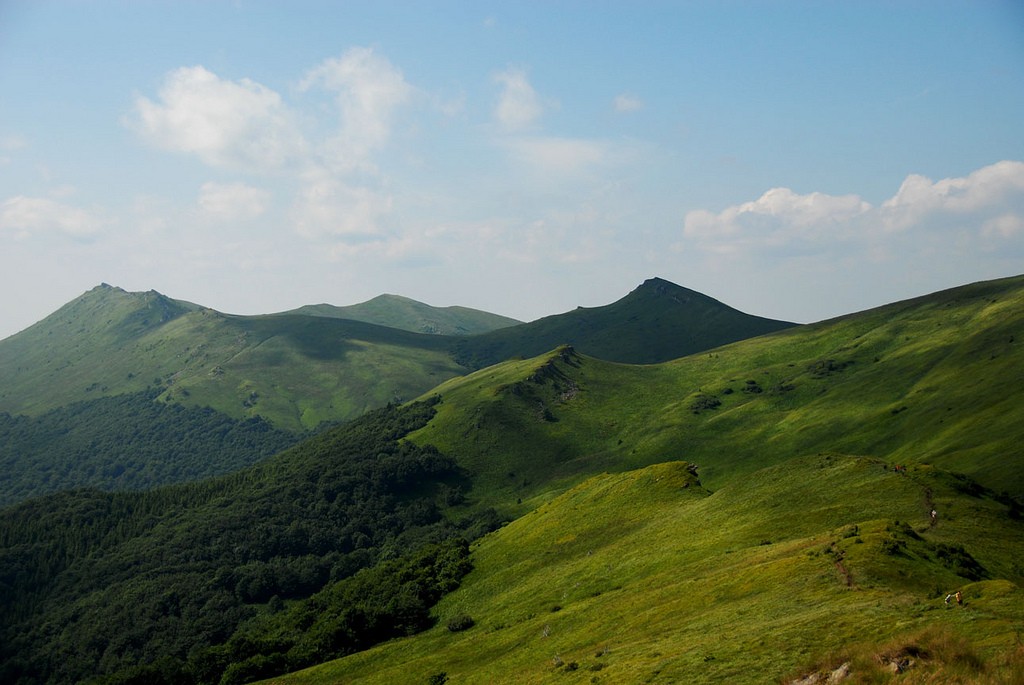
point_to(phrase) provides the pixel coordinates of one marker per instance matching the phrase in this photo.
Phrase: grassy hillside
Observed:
(298, 371)
(292, 370)
(647, 577)
(656, 322)
(933, 380)
(403, 313)
(800, 549)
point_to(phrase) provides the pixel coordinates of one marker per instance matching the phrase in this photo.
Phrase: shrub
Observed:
(702, 402)
(460, 623)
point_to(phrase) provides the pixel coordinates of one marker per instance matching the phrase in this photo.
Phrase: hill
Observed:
(800, 568)
(126, 442)
(935, 379)
(294, 371)
(298, 371)
(615, 548)
(96, 585)
(656, 322)
(805, 547)
(405, 314)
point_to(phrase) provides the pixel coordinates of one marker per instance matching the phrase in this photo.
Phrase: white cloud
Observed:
(778, 217)
(369, 91)
(224, 123)
(980, 191)
(927, 236)
(518, 106)
(28, 216)
(557, 155)
(988, 203)
(232, 201)
(625, 102)
(329, 207)
(1005, 226)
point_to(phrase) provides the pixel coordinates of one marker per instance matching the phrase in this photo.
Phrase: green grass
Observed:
(935, 380)
(793, 555)
(299, 370)
(635, 578)
(295, 371)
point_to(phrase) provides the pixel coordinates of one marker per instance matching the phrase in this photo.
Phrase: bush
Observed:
(460, 623)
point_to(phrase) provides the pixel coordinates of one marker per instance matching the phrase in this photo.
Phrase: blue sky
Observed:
(797, 160)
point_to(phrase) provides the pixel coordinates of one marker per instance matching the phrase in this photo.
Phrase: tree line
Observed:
(334, 544)
(127, 442)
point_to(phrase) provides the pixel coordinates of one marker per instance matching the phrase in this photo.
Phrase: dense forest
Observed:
(127, 442)
(336, 543)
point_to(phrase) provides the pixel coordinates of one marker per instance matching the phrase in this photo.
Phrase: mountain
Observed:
(295, 371)
(299, 370)
(754, 512)
(88, 579)
(935, 379)
(656, 322)
(126, 442)
(405, 314)
(73, 387)
(763, 513)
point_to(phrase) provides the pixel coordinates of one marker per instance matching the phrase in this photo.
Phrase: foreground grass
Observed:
(646, 576)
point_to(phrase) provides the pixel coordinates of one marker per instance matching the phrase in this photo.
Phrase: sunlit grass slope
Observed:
(936, 380)
(646, 576)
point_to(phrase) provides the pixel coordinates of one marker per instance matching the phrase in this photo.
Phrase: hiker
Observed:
(935, 516)
(948, 597)
(959, 598)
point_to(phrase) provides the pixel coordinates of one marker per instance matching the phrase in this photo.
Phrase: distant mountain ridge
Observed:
(294, 371)
(400, 312)
(670, 320)
(300, 369)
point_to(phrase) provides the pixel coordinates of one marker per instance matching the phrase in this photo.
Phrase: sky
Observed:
(795, 160)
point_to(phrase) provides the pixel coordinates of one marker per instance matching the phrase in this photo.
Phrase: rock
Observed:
(841, 673)
(812, 679)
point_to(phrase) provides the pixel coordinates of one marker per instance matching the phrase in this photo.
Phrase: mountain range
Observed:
(785, 505)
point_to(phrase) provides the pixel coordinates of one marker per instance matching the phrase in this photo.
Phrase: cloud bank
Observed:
(985, 207)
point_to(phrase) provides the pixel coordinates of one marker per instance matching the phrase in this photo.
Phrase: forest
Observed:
(344, 535)
(127, 442)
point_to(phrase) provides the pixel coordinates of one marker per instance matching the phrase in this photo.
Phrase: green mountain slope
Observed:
(296, 371)
(645, 577)
(795, 436)
(799, 558)
(934, 380)
(656, 322)
(403, 313)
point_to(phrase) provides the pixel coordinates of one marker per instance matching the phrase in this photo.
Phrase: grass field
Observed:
(646, 576)
(802, 548)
